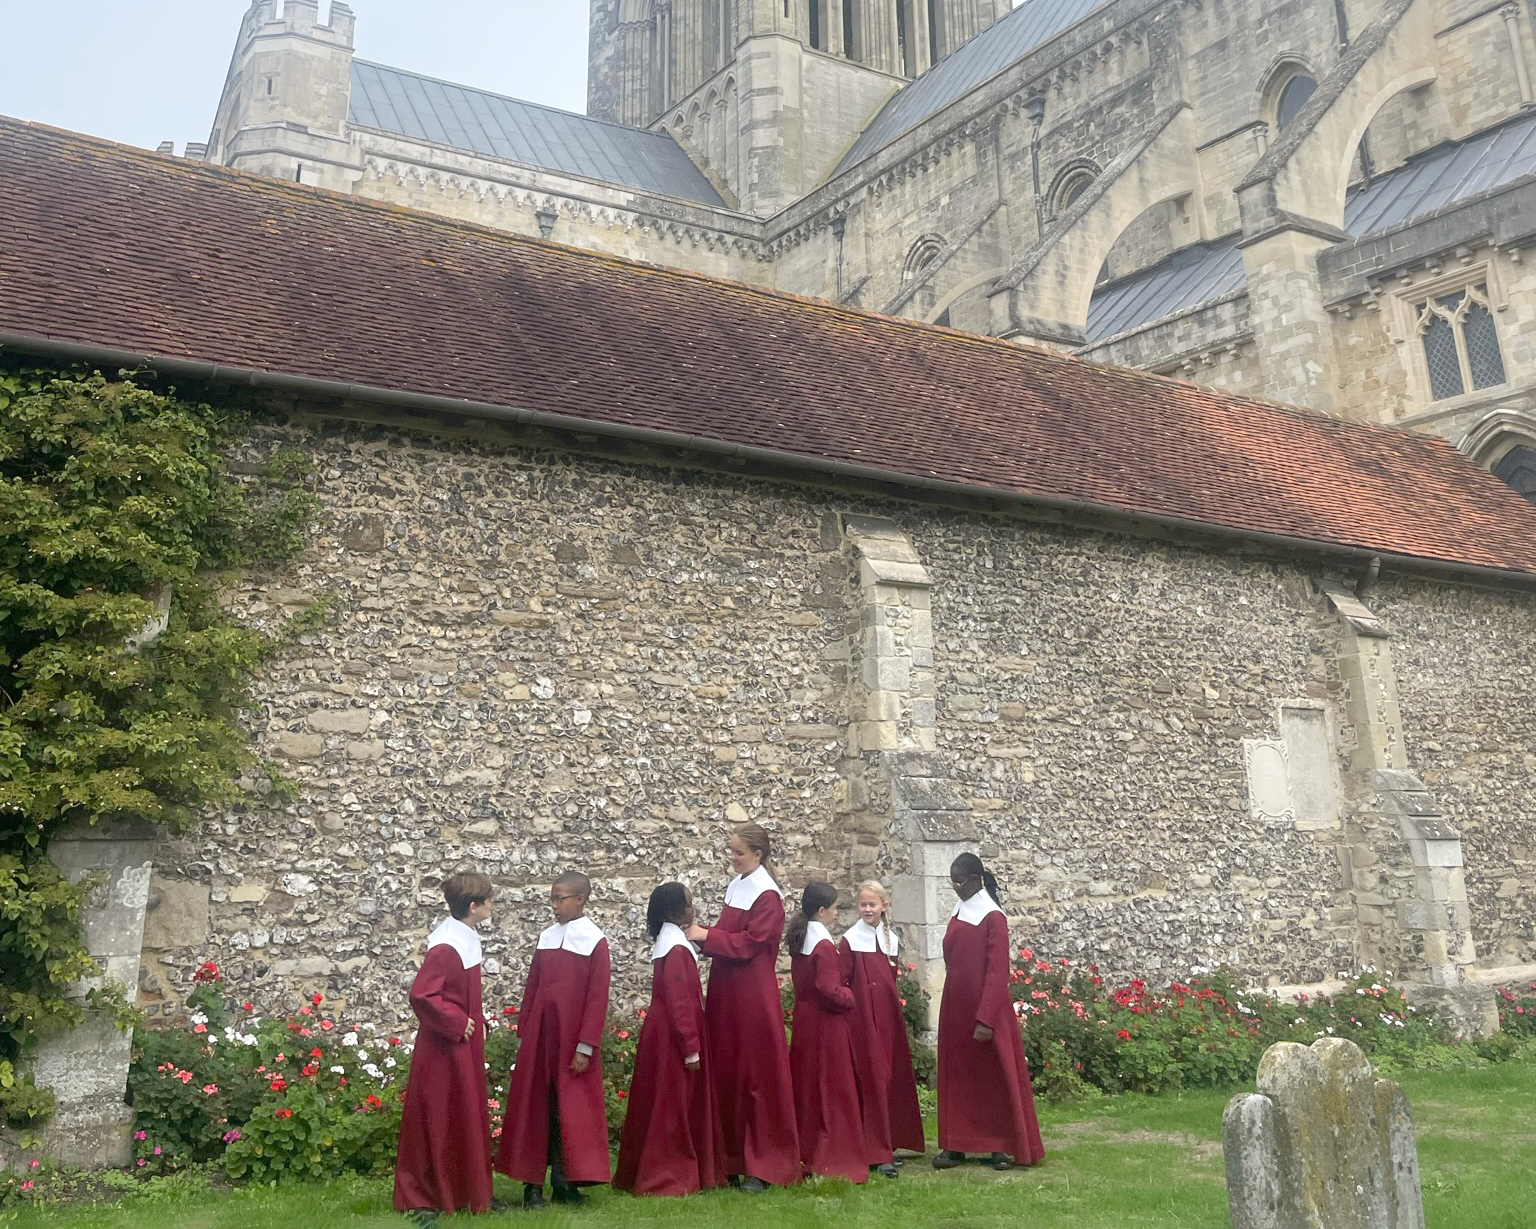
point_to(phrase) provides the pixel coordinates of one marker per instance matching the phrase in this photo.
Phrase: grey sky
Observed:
(146, 71)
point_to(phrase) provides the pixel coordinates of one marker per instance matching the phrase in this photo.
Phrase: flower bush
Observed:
(1517, 1010)
(304, 1095)
(1083, 1036)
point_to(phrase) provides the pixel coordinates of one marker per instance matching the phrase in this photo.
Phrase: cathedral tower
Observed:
(766, 95)
(284, 107)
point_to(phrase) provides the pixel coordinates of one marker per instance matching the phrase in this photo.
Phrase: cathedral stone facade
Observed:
(1326, 201)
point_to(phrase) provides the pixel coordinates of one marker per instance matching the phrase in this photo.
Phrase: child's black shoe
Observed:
(533, 1196)
(569, 1194)
(948, 1160)
(753, 1186)
(1001, 1160)
(888, 1169)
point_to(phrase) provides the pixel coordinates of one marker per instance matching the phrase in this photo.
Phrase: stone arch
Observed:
(957, 292)
(1070, 183)
(1307, 170)
(922, 254)
(1050, 288)
(1288, 83)
(1504, 443)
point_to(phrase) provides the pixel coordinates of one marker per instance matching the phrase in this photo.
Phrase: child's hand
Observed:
(579, 1063)
(692, 1063)
(697, 933)
(982, 1033)
(469, 1028)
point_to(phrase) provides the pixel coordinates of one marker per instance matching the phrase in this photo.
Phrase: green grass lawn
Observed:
(1113, 1164)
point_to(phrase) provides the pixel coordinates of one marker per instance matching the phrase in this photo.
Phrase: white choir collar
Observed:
(581, 936)
(742, 892)
(459, 936)
(976, 908)
(862, 937)
(814, 933)
(671, 936)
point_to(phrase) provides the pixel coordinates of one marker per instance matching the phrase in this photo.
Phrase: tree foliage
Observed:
(121, 678)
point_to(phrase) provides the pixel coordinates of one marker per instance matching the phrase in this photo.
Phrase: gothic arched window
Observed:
(1461, 344)
(1293, 96)
(1517, 467)
(1071, 184)
(922, 254)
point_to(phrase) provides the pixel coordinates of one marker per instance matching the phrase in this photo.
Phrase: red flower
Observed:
(279, 1085)
(285, 1112)
(310, 1069)
(623, 1034)
(306, 1011)
(317, 998)
(622, 1094)
(207, 973)
(506, 1011)
(394, 1041)
(317, 1053)
(247, 1007)
(1123, 1035)
(327, 1025)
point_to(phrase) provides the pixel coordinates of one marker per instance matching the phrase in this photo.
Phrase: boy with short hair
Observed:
(555, 1114)
(444, 1159)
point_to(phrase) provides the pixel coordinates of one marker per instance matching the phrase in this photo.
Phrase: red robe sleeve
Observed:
(530, 992)
(764, 929)
(594, 1012)
(829, 985)
(680, 984)
(995, 1007)
(438, 1014)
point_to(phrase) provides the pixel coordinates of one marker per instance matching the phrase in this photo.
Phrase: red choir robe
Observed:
(985, 1101)
(887, 1083)
(444, 1159)
(821, 1061)
(744, 1033)
(671, 1139)
(565, 1005)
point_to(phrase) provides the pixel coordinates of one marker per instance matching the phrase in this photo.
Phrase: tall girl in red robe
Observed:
(671, 1139)
(556, 1118)
(821, 1056)
(887, 1083)
(444, 1161)
(985, 1101)
(744, 1022)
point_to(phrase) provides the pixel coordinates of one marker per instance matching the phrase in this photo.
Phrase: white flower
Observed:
(373, 1071)
(349, 1039)
(362, 1056)
(389, 1062)
(198, 1017)
(338, 1071)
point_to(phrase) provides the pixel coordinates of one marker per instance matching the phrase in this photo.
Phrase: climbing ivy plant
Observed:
(121, 678)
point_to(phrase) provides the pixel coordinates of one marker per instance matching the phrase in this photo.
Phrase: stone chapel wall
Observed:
(534, 658)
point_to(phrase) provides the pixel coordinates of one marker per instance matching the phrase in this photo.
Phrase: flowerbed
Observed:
(1083, 1036)
(311, 1095)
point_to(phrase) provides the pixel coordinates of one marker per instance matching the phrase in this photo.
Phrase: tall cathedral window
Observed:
(1292, 98)
(1461, 343)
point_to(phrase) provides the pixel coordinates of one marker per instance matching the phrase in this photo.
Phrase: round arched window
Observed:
(1293, 96)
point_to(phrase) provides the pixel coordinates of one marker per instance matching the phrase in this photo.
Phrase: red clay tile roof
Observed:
(109, 246)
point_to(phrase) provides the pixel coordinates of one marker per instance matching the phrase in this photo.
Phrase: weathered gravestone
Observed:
(1323, 1144)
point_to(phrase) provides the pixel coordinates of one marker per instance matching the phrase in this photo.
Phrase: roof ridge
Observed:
(451, 225)
(523, 102)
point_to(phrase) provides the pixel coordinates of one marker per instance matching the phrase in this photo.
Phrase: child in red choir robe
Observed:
(887, 1084)
(744, 1022)
(444, 1159)
(985, 1102)
(671, 1139)
(821, 1055)
(555, 1114)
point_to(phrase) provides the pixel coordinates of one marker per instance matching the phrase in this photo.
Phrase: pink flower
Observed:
(34, 1164)
(157, 1150)
(142, 1162)
(27, 1185)
(140, 1134)
(199, 1028)
(210, 1089)
(327, 1025)
(231, 1136)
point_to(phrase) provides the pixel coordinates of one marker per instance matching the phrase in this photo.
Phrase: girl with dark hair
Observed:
(887, 1085)
(670, 1144)
(985, 1101)
(827, 1113)
(744, 1023)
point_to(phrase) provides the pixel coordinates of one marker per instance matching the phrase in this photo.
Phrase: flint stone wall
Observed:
(536, 659)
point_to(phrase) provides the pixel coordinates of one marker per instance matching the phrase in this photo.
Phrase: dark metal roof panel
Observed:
(1444, 175)
(426, 109)
(973, 63)
(1186, 279)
